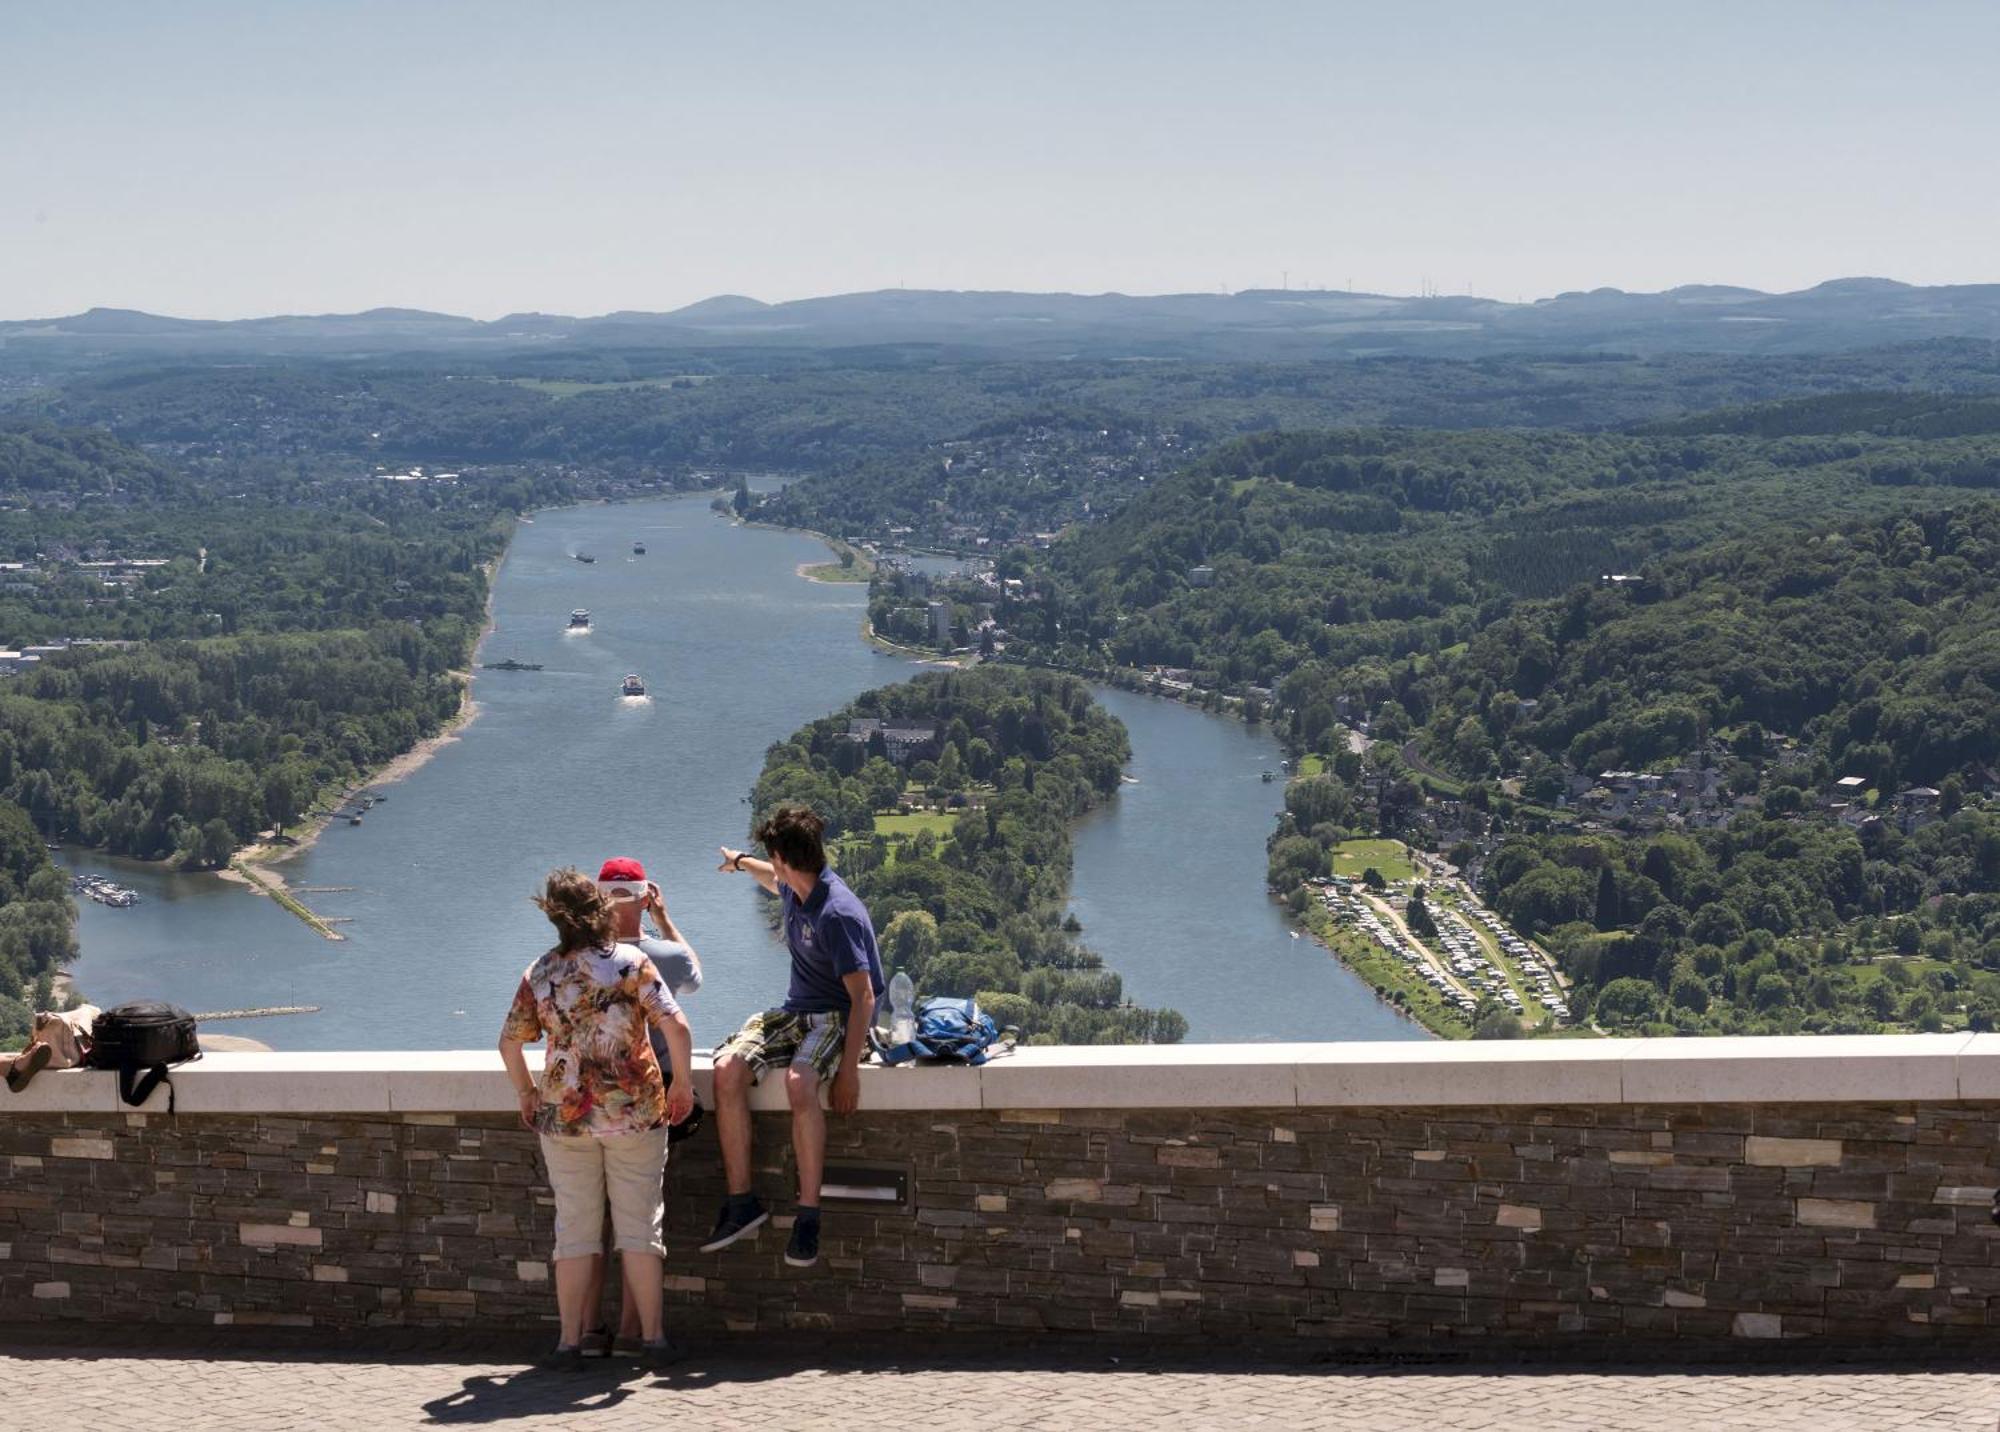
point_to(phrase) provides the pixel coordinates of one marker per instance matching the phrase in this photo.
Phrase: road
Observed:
(1388, 912)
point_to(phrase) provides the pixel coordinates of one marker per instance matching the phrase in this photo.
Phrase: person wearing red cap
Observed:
(623, 880)
(633, 896)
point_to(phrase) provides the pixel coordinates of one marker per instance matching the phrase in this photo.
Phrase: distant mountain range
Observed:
(1260, 323)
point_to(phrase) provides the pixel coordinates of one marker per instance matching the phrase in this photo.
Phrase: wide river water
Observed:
(557, 768)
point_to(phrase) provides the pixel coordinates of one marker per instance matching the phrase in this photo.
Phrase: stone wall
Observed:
(1850, 1222)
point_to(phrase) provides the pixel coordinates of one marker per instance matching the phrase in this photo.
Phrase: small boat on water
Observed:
(633, 685)
(512, 665)
(354, 820)
(1269, 777)
(103, 891)
(585, 557)
(638, 549)
(579, 620)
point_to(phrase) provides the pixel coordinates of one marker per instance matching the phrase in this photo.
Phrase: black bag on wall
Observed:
(140, 1040)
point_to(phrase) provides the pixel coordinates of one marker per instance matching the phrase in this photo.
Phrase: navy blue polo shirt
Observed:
(830, 935)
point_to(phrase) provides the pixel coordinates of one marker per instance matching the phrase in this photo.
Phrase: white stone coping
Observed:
(1914, 1068)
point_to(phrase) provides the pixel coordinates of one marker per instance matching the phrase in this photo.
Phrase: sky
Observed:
(224, 160)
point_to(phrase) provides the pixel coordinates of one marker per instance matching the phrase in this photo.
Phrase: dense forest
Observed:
(968, 890)
(1329, 550)
(37, 924)
(1868, 652)
(1509, 614)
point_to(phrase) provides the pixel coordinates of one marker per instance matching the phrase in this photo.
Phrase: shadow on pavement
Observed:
(534, 1392)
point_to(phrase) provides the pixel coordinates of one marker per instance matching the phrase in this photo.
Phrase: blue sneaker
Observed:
(803, 1250)
(737, 1220)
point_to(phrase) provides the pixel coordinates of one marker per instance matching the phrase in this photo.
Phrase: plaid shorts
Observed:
(778, 1036)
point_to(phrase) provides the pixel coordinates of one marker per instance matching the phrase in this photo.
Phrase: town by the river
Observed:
(736, 650)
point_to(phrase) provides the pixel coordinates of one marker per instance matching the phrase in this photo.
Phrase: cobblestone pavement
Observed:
(232, 1389)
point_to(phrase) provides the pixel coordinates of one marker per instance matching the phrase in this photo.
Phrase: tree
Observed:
(1607, 899)
(1372, 878)
(218, 843)
(287, 788)
(1688, 991)
(1627, 1001)
(1418, 915)
(1295, 859)
(1314, 800)
(910, 942)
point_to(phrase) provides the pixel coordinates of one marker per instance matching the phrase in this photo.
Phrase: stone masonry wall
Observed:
(1842, 1223)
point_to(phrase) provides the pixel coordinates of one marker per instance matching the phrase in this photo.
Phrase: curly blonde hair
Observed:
(580, 911)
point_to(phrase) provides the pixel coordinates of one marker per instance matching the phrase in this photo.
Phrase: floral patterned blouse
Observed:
(601, 1076)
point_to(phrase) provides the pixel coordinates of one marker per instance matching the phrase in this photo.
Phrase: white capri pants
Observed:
(628, 1168)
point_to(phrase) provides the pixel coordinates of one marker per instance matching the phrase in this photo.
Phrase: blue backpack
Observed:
(952, 1031)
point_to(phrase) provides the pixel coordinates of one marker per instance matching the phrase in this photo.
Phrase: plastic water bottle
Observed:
(902, 1009)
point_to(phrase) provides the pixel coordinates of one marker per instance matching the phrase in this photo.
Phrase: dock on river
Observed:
(215, 1014)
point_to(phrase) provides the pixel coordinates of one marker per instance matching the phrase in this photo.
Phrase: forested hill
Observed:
(1839, 689)
(952, 447)
(1883, 414)
(968, 891)
(1328, 549)
(1875, 647)
(1842, 313)
(1629, 670)
(39, 460)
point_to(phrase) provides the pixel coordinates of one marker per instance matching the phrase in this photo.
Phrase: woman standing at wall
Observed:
(602, 1108)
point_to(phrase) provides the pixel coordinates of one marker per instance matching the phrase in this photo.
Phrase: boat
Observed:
(585, 557)
(511, 665)
(633, 685)
(638, 549)
(579, 620)
(354, 820)
(1269, 777)
(103, 891)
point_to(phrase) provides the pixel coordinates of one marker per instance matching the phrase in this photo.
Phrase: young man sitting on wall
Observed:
(819, 1034)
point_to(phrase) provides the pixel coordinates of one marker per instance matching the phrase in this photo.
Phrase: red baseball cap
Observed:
(622, 869)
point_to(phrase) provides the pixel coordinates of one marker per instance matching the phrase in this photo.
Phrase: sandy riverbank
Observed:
(911, 653)
(811, 572)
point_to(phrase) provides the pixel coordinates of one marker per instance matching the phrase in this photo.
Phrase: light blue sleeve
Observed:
(676, 964)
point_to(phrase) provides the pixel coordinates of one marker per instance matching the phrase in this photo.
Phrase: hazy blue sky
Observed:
(222, 160)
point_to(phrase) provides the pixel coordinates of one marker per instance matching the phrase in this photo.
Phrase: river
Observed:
(737, 651)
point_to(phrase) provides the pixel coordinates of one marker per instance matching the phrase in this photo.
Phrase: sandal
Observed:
(27, 1064)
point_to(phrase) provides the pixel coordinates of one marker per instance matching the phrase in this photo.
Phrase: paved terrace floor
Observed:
(227, 1388)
